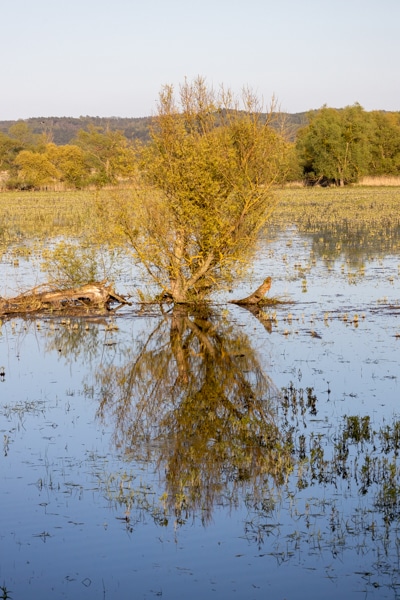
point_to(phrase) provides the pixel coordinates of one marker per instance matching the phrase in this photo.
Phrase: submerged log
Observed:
(257, 296)
(94, 296)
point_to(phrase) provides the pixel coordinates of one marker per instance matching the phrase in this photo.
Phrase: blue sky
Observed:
(110, 58)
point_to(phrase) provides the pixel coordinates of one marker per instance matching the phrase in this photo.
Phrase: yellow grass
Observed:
(374, 210)
(28, 215)
(380, 181)
(354, 220)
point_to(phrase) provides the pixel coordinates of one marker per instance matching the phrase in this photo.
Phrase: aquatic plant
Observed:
(5, 593)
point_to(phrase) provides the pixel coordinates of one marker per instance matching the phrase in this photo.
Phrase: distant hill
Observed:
(61, 130)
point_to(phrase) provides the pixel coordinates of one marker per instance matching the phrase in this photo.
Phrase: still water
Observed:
(219, 454)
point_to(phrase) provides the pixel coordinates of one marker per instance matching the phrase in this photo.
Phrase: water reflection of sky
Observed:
(355, 314)
(62, 536)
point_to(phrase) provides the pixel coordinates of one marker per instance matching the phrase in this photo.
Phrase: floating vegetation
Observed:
(21, 409)
(138, 501)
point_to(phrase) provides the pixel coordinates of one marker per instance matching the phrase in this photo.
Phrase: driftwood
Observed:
(96, 296)
(257, 296)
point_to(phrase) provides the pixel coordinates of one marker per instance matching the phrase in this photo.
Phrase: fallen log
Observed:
(257, 296)
(96, 296)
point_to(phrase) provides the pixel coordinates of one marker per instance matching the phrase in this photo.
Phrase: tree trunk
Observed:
(256, 296)
(93, 295)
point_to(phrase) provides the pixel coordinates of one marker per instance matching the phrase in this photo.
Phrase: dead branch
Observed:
(95, 296)
(256, 296)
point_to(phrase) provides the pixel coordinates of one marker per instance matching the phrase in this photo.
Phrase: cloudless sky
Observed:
(111, 57)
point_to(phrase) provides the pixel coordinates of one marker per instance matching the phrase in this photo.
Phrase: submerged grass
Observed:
(26, 216)
(353, 221)
(30, 215)
(368, 206)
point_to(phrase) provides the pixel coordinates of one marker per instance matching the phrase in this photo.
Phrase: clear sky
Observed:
(110, 57)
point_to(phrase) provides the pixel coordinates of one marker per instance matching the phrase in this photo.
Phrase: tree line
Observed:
(95, 157)
(341, 146)
(335, 146)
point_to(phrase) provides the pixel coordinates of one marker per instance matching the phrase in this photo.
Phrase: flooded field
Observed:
(214, 454)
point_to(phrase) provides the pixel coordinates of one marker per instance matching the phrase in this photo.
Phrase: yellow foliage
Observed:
(205, 189)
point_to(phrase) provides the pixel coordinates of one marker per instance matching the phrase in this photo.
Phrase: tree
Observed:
(35, 169)
(22, 133)
(71, 163)
(334, 146)
(9, 149)
(205, 190)
(384, 143)
(108, 152)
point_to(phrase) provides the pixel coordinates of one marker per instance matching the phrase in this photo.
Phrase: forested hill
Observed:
(61, 130)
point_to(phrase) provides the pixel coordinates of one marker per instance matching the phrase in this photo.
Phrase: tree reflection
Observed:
(194, 394)
(75, 338)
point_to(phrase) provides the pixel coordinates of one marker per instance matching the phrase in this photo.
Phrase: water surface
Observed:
(217, 454)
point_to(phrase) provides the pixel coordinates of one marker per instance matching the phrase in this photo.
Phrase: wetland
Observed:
(160, 452)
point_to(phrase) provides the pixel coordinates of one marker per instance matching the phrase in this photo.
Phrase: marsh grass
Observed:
(352, 206)
(68, 231)
(28, 216)
(40, 215)
(353, 222)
